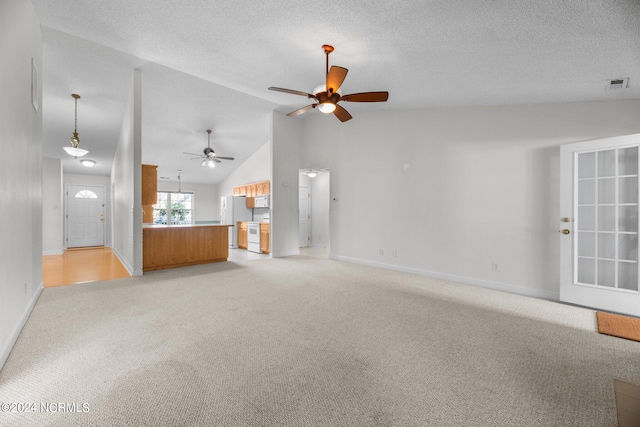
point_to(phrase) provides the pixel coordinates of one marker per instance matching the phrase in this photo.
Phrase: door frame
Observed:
(308, 206)
(66, 211)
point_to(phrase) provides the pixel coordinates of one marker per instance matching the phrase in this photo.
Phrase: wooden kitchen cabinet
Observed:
(149, 184)
(176, 246)
(264, 237)
(149, 191)
(252, 190)
(251, 202)
(243, 235)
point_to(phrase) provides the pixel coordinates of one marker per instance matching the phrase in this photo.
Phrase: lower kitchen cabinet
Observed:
(243, 235)
(169, 246)
(264, 237)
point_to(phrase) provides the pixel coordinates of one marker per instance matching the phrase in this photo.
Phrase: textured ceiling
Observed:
(207, 64)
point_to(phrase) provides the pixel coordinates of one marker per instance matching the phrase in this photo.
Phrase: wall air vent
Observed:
(618, 83)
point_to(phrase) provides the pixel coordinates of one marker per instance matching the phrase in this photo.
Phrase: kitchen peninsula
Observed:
(170, 246)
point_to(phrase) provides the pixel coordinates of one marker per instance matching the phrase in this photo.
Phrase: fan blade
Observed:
(302, 110)
(293, 92)
(366, 97)
(192, 154)
(335, 78)
(215, 159)
(193, 158)
(342, 114)
(224, 158)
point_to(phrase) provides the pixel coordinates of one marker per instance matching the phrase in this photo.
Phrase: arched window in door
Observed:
(86, 194)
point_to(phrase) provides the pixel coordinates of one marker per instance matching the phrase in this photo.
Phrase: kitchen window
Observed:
(173, 208)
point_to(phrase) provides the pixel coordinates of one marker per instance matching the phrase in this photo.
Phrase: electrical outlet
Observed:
(495, 266)
(395, 253)
(381, 251)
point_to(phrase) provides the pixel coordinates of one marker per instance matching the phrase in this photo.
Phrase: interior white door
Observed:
(304, 217)
(85, 216)
(599, 241)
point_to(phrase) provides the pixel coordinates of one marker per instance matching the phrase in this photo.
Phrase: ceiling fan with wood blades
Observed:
(328, 95)
(209, 158)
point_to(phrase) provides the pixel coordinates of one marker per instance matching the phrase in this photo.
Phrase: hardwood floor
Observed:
(81, 265)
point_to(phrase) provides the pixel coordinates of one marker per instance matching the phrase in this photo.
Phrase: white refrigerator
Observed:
(232, 210)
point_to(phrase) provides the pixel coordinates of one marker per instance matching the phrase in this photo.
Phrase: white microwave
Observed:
(261, 201)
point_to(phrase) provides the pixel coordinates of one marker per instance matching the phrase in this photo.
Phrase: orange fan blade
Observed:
(291, 91)
(366, 97)
(342, 114)
(302, 110)
(335, 78)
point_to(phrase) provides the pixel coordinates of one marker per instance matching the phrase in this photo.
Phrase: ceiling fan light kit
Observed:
(75, 149)
(328, 95)
(208, 162)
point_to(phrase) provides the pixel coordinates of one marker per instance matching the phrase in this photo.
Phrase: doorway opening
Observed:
(314, 213)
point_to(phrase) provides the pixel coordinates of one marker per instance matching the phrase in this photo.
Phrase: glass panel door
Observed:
(606, 224)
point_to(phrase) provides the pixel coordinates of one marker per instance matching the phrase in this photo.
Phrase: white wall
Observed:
(454, 190)
(320, 210)
(207, 202)
(20, 169)
(53, 207)
(97, 180)
(286, 152)
(126, 179)
(255, 169)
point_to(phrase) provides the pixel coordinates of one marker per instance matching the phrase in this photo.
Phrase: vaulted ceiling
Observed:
(208, 64)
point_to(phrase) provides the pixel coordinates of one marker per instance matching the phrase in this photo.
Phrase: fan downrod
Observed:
(327, 50)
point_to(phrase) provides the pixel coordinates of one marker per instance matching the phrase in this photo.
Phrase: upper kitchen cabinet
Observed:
(149, 184)
(149, 191)
(253, 190)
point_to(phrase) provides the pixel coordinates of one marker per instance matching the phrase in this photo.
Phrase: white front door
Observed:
(85, 216)
(599, 229)
(303, 209)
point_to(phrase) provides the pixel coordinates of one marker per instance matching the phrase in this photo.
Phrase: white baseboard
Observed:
(8, 345)
(529, 292)
(54, 252)
(125, 263)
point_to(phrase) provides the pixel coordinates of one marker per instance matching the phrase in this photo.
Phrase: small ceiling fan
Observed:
(210, 158)
(328, 95)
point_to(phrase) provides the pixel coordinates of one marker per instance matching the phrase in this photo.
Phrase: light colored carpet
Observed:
(303, 341)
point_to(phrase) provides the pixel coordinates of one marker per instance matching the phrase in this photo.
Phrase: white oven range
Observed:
(253, 238)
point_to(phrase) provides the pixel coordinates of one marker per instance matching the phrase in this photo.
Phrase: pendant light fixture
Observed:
(75, 149)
